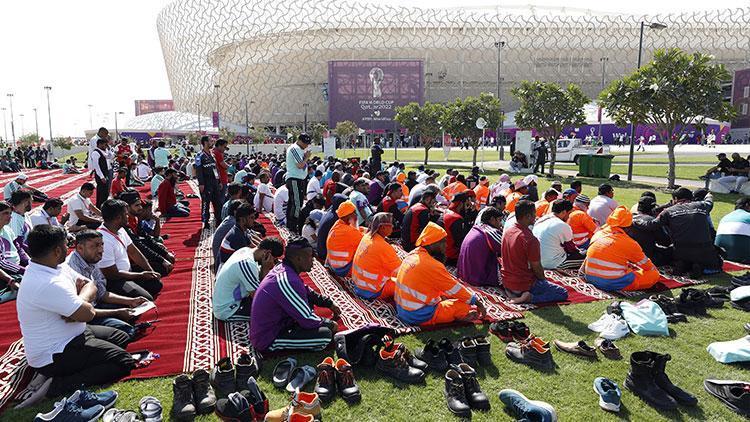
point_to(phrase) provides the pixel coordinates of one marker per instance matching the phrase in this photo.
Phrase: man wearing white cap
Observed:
(20, 183)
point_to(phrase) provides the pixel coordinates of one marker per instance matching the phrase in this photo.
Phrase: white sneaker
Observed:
(617, 328)
(36, 391)
(600, 324)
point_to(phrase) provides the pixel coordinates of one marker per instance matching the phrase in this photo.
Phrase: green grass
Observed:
(682, 172)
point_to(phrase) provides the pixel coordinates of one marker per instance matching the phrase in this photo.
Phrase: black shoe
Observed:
(257, 399)
(734, 394)
(325, 386)
(183, 407)
(675, 318)
(467, 347)
(743, 305)
(222, 377)
(640, 381)
(247, 366)
(720, 292)
(474, 394)
(203, 394)
(740, 281)
(394, 365)
(389, 345)
(519, 330)
(345, 382)
(666, 303)
(663, 381)
(691, 302)
(614, 308)
(708, 300)
(455, 394)
(529, 354)
(235, 408)
(433, 356)
(452, 355)
(484, 357)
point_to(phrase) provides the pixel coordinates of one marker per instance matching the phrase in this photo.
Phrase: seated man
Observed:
(653, 239)
(152, 248)
(119, 185)
(581, 223)
(121, 255)
(426, 293)
(457, 221)
(519, 189)
(326, 223)
(737, 174)
(234, 191)
(519, 162)
(156, 181)
(240, 276)
(376, 263)
(457, 186)
(168, 205)
(280, 204)
(282, 310)
(143, 171)
(556, 238)
(68, 168)
(377, 187)
(478, 261)
(13, 258)
(602, 205)
(48, 214)
(722, 168)
(417, 217)
(733, 234)
(21, 203)
(523, 276)
(614, 261)
(482, 192)
(222, 230)
(358, 197)
(393, 203)
(19, 183)
(237, 237)
(83, 214)
(542, 205)
(343, 240)
(53, 308)
(263, 200)
(497, 202)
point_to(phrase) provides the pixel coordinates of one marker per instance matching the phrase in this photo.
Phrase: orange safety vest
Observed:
(374, 263)
(342, 243)
(542, 207)
(612, 253)
(482, 192)
(451, 190)
(424, 281)
(404, 189)
(511, 200)
(583, 226)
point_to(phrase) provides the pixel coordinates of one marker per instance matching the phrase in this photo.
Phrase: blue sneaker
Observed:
(86, 399)
(67, 411)
(525, 409)
(609, 394)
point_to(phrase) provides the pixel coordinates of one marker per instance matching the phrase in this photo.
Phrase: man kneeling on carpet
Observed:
(54, 305)
(426, 293)
(240, 277)
(282, 310)
(376, 263)
(343, 240)
(614, 261)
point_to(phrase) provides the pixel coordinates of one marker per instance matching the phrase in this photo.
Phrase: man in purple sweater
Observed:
(282, 315)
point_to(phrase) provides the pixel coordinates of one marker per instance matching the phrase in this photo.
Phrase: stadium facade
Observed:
(272, 60)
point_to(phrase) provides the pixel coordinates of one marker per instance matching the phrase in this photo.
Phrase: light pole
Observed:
(91, 120)
(5, 125)
(49, 113)
(304, 125)
(117, 133)
(500, 135)
(604, 61)
(218, 117)
(21, 115)
(657, 26)
(395, 140)
(36, 123)
(12, 120)
(416, 119)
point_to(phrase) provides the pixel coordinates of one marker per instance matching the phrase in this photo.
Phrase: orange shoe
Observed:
(303, 403)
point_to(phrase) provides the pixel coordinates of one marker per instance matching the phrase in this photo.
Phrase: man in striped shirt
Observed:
(240, 276)
(296, 174)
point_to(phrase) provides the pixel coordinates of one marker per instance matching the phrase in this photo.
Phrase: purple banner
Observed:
(367, 92)
(741, 98)
(215, 118)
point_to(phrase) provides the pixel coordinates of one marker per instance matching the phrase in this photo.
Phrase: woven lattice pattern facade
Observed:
(273, 55)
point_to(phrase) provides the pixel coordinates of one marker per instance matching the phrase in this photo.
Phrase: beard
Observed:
(440, 256)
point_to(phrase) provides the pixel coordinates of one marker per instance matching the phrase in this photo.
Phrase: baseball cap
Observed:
(570, 192)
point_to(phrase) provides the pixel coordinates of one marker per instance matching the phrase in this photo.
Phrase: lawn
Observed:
(682, 172)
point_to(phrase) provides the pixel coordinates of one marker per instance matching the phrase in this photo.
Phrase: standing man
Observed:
(221, 166)
(296, 173)
(101, 171)
(376, 152)
(208, 181)
(102, 133)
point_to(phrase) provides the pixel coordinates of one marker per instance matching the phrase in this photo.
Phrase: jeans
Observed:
(115, 323)
(543, 291)
(178, 210)
(211, 197)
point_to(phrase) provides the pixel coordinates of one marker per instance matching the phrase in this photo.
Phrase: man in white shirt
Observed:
(102, 133)
(280, 203)
(161, 155)
(143, 171)
(82, 213)
(556, 238)
(313, 185)
(602, 205)
(20, 202)
(48, 214)
(19, 183)
(54, 305)
(263, 201)
(119, 253)
(102, 171)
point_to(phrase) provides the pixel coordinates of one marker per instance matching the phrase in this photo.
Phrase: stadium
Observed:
(282, 63)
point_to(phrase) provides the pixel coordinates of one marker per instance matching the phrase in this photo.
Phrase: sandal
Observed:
(300, 376)
(282, 373)
(151, 409)
(120, 415)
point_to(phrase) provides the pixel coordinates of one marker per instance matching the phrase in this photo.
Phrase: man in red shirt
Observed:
(221, 165)
(523, 275)
(168, 205)
(119, 185)
(329, 187)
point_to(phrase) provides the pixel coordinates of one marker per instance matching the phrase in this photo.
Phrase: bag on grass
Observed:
(359, 346)
(645, 318)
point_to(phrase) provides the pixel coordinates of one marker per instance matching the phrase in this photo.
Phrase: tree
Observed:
(346, 129)
(28, 140)
(676, 89)
(257, 135)
(317, 132)
(194, 138)
(423, 121)
(63, 143)
(227, 134)
(292, 133)
(548, 108)
(460, 118)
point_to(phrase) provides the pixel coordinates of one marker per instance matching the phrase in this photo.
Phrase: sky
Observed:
(107, 53)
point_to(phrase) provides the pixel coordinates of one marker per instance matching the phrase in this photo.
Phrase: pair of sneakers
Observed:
(81, 406)
(532, 351)
(247, 405)
(192, 396)
(610, 326)
(227, 377)
(151, 410)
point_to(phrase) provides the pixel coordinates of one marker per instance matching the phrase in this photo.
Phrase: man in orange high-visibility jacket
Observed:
(426, 293)
(520, 189)
(482, 192)
(542, 205)
(458, 186)
(343, 240)
(614, 261)
(581, 223)
(376, 263)
(401, 180)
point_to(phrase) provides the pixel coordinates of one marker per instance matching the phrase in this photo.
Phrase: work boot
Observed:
(640, 380)
(256, 397)
(203, 395)
(326, 384)
(302, 402)
(467, 347)
(433, 356)
(235, 408)
(691, 303)
(247, 366)
(474, 394)
(483, 350)
(394, 365)
(455, 394)
(452, 355)
(391, 345)
(222, 377)
(183, 406)
(345, 382)
(662, 380)
(530, 354)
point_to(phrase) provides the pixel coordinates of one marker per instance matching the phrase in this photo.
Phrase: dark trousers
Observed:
(539, 164)
(297, 191)
(133, 289)
(211, 197)
(97, 324)
(300, 338)
(178, 210)
(704, 256)
(243, 312)
(87, 361)
(102, 191)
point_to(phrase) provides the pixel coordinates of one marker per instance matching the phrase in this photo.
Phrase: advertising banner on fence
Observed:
(367, 92)
(741, 98)
(152, 106)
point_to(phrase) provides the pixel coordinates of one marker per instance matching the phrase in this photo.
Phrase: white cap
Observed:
(530, 178)
(22, 176)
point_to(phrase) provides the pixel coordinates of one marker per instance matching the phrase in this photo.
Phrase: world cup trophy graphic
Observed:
(376, 77)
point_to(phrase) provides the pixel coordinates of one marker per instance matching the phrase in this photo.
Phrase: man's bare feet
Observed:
(524, 298)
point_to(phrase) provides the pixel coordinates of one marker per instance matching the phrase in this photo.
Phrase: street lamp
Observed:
(12, 120)
(36, 123)
(49, 113)
(304, 126)
(218, 117)
(198, 107)
(501, 135)
(604, 61)
(117, 134)
(656, 26)
(416, 119)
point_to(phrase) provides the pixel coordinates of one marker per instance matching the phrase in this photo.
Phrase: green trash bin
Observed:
(601, 165)
(584, 165)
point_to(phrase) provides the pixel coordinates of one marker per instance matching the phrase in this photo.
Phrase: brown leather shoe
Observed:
(608, 348)
(578, 348)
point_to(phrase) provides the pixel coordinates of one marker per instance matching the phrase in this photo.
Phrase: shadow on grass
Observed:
(555, 315)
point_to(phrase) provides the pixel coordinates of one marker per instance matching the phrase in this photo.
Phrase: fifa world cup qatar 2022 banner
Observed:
(367, 92)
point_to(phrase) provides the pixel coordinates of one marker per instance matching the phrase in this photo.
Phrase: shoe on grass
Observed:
(203, 395)
(433, 356)
(394, 365)
(235, 408)
(641, 381)
(524, 409)
(256, 397)
(223, 377)
(119, 415)
(345, 382)
(36, 391)
(663, 381)
(474, 395)
(501, 330)
(608, 348)
(282, 373)
(734, 394)
(151, 409)
(183, 405)
(579, 348)
(452, 354)
(484, 356)
(68, 411)
(609, 394)
(455, 394)
(306, 404)
(300, 377)
(530, 354)
(325, 386)
(467, 347)
(247, 366)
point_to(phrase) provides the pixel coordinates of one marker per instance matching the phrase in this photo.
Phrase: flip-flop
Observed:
(282, 373)
(300, 377)
(151, 409)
